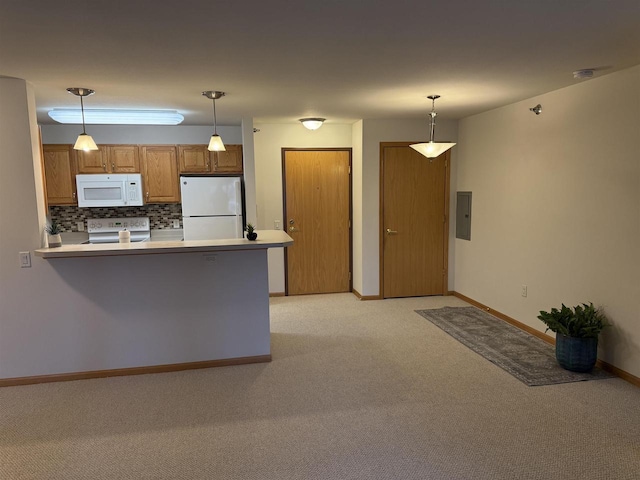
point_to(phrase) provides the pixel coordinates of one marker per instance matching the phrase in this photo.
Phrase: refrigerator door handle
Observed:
(239, 225)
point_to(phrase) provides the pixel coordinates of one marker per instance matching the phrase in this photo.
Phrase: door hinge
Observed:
(349, 223)
(349, 169)
(446, 163)
(443, 272)
(349, 275)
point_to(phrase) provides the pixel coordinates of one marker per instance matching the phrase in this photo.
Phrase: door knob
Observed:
(391, 232)
(293, 229)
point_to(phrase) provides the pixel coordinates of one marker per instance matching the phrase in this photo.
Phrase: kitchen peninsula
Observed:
(161, 306)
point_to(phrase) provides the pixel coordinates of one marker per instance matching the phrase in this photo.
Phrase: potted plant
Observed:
(251, 233)
(577, 331)
(54, 230)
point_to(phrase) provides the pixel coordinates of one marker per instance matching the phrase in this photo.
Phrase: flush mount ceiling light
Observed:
(432, 149)
(84, 141)
(215, 144)
(116, 116)
(312, 123)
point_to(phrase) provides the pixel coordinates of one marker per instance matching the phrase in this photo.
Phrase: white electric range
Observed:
(105, 230)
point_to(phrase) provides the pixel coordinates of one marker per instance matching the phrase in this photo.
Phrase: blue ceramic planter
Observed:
(576, 354)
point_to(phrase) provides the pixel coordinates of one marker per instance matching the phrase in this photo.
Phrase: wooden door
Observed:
(229, 161)
(414, 222)
(93, 161)
(59, 174)
(194, 159)
(317, 216)
(123, 158)
(160, 174)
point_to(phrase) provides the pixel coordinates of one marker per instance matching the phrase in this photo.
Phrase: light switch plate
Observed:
(25, 259)
(176, 224)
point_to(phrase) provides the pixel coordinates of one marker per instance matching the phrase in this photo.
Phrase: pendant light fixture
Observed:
(432, 149)
(84, 141)
(215, 144)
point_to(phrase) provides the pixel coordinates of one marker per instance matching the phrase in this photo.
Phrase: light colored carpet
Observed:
(356, 390)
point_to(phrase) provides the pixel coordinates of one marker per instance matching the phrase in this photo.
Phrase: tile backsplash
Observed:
(161, 216)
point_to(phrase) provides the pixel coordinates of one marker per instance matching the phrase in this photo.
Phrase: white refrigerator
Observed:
(211, 207)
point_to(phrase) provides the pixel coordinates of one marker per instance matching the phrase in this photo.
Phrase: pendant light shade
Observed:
(84, 141)
(215, 144)
(432, 149)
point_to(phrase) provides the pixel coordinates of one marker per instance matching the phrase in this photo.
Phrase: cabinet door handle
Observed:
(104, 167)
(147, 196)
(113, 167)
(74, 195)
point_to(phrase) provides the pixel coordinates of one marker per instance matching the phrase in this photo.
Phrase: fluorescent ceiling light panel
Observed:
(116, 117)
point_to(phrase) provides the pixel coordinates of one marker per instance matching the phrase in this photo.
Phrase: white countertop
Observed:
(266, 239)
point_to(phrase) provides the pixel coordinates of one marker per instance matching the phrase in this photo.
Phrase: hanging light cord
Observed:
(432, 119)
(215, 126)
(84, 132)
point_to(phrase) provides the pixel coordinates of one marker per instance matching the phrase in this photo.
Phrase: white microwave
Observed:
(109, 190)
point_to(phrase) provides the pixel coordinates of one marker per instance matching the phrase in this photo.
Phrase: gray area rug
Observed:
(525, 356)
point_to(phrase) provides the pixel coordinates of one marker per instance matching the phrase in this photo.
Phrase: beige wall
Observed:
(268, 144)
(556, 207)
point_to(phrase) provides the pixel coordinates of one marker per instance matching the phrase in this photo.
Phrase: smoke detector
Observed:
(582, 74)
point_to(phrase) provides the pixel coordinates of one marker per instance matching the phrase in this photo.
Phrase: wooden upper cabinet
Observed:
(160, 179)
(59, 173)
(93, 161)
(229, 161)
(194, 159)
(123, 158)
(109, 159)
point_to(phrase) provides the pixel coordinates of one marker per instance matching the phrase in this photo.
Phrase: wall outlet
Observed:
(276, 224)
(80, 226)
(176, 224)
(524, 291)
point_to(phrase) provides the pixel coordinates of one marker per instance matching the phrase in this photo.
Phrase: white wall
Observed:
(374, 132)
(556, 207)
(141, 134)
(268, 144)
(356, 179)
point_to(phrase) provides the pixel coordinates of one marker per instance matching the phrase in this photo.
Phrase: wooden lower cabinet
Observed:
(160, 180)
(60, 174)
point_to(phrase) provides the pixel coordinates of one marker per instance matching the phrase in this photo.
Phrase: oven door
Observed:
(105, 193)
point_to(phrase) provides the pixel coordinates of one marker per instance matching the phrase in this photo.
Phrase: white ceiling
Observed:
(280, 60)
